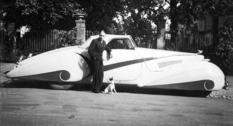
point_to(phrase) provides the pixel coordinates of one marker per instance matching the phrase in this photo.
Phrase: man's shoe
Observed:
(94, 91)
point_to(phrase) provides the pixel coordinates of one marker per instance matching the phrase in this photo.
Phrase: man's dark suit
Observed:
(96, 51)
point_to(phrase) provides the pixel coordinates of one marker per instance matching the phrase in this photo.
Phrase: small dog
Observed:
(111, 87)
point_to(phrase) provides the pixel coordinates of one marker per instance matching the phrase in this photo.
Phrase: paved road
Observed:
(22, 106)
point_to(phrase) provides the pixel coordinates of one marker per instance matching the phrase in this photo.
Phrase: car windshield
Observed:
(134, 44)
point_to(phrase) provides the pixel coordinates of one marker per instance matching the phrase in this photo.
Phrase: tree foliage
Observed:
(224, 49)
(188, 11)
(100, 13)
(138, 18)
(59, 14)
(40, 14)
(137, 15)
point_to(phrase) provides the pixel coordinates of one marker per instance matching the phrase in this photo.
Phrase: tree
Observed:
(187, 11)
(59, 14)
(224, 49)
(100, 13)
(40, 14)
(138, 18)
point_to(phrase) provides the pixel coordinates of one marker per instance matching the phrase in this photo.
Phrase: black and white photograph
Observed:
(116, 62)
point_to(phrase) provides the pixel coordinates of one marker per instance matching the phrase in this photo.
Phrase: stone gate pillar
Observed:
(161, 33)
(80, 27)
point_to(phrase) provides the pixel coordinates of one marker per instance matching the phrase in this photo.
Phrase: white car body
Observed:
(143, 67)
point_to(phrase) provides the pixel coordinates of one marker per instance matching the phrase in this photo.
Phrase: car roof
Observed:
(107, 38)
(111, 36)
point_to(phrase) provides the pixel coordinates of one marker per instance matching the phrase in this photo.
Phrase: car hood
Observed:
(159, 60)
(146, 52)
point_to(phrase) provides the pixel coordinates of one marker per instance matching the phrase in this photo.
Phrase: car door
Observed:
(125, 65)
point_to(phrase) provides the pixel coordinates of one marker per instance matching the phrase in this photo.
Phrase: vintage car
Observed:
(131, 65)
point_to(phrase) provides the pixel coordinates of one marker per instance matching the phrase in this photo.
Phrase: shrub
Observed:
(68, 38)
(224, 49)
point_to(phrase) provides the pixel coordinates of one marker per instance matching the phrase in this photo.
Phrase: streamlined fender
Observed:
(197, 76)
(60, 66)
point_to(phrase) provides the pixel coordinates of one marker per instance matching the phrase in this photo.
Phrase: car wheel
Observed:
(61, 87)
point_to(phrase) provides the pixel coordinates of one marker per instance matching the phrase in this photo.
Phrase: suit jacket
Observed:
(96, 49)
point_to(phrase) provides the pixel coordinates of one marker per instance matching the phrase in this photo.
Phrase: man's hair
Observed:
(102, 31)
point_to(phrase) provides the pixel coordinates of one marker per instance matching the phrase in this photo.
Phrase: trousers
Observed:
(98, 75)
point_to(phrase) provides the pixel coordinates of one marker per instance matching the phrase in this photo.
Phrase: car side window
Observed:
(119, 44)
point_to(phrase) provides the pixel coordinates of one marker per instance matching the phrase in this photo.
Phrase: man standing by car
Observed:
(96, 51)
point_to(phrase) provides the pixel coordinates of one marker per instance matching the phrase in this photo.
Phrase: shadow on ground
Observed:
(120, 88)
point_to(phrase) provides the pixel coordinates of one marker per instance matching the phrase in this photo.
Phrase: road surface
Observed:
(24, 106)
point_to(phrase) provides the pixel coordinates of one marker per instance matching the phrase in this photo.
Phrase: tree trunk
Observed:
(174, 23)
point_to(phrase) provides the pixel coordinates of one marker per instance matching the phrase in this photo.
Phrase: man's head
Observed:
(102, 35)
